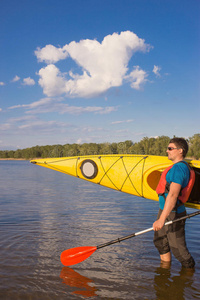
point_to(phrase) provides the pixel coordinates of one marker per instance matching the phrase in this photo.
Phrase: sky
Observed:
(95, 71)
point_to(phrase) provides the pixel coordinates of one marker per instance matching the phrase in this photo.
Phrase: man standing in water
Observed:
(172, 237)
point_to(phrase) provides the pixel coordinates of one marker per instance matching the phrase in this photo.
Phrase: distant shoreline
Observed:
(13, 159)
(191, 158)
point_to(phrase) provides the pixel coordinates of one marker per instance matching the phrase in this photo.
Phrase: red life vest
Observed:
(164, 186)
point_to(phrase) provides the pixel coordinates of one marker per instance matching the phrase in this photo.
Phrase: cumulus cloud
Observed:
(15, 79)
(2, 83)
(52, 81)
(137, 77)
(102, 65)
(156, 70)
(50, 54)
(28, 81)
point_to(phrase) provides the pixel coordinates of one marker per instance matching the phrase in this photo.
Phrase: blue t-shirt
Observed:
(180, 174)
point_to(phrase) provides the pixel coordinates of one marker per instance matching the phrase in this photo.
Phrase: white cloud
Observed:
(39, 103)
(74, 110)
(103, 65)
(5, 126)
(19, 124)
(39, 124)
(79, 141)
(17, 106)
(47, 105)
(21, 119)
(28, 81)
(50, 54)
(15, 79)
(12, 123)
(2, 83)
(0, 109)
(137, 77)
(120, 122)
(156, 70)
(52, 81)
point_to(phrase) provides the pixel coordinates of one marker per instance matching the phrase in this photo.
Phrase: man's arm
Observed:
(169, 205)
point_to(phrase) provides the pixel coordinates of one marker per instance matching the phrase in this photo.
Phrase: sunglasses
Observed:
(171, 148)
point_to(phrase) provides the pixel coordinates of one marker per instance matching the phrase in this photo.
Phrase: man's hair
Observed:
(180, 143)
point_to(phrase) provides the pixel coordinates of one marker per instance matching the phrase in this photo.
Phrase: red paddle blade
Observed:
(76, 255)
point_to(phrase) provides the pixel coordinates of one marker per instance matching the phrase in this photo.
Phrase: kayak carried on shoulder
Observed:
(133, 174)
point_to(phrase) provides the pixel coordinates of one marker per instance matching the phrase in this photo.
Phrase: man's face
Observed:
(173, 151)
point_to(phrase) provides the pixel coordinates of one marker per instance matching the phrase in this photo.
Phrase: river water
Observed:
(43, 212)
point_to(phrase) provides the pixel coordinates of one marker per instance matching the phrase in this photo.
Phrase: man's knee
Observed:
(162, 247)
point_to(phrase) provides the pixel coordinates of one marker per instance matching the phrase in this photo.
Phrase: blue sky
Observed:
(82, 71)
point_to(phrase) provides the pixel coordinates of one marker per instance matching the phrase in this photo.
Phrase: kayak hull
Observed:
(133, 174)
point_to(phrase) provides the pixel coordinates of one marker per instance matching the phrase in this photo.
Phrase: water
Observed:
(43, 212)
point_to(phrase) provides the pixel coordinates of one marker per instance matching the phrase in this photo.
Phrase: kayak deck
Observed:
(133, 174)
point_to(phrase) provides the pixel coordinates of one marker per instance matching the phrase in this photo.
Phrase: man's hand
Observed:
(157, 225)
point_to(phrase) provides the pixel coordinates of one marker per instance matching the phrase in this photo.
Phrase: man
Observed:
(172, 237)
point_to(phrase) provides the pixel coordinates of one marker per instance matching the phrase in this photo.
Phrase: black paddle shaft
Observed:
(146, 230)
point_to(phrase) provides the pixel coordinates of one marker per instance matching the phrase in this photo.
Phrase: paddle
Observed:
(76, 255)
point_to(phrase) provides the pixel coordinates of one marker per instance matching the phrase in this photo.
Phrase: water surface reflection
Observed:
(43, 213)
(175, 286)
(74, 279)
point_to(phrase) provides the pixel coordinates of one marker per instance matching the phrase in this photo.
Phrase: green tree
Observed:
(71, 150)
(56, 151)
(124, 147)
(113, 148)
(18, 154)
(148, 146)
(105, 148)
(161, 144)
(194, 146)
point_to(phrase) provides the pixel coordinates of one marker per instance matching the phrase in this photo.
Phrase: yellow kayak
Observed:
(133, 174)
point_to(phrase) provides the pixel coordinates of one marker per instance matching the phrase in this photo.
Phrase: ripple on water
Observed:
(43, 212)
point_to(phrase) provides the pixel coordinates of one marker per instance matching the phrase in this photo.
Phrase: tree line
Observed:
(147, 146)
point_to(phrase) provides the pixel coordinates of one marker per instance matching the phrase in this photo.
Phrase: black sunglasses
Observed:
(171, 148)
